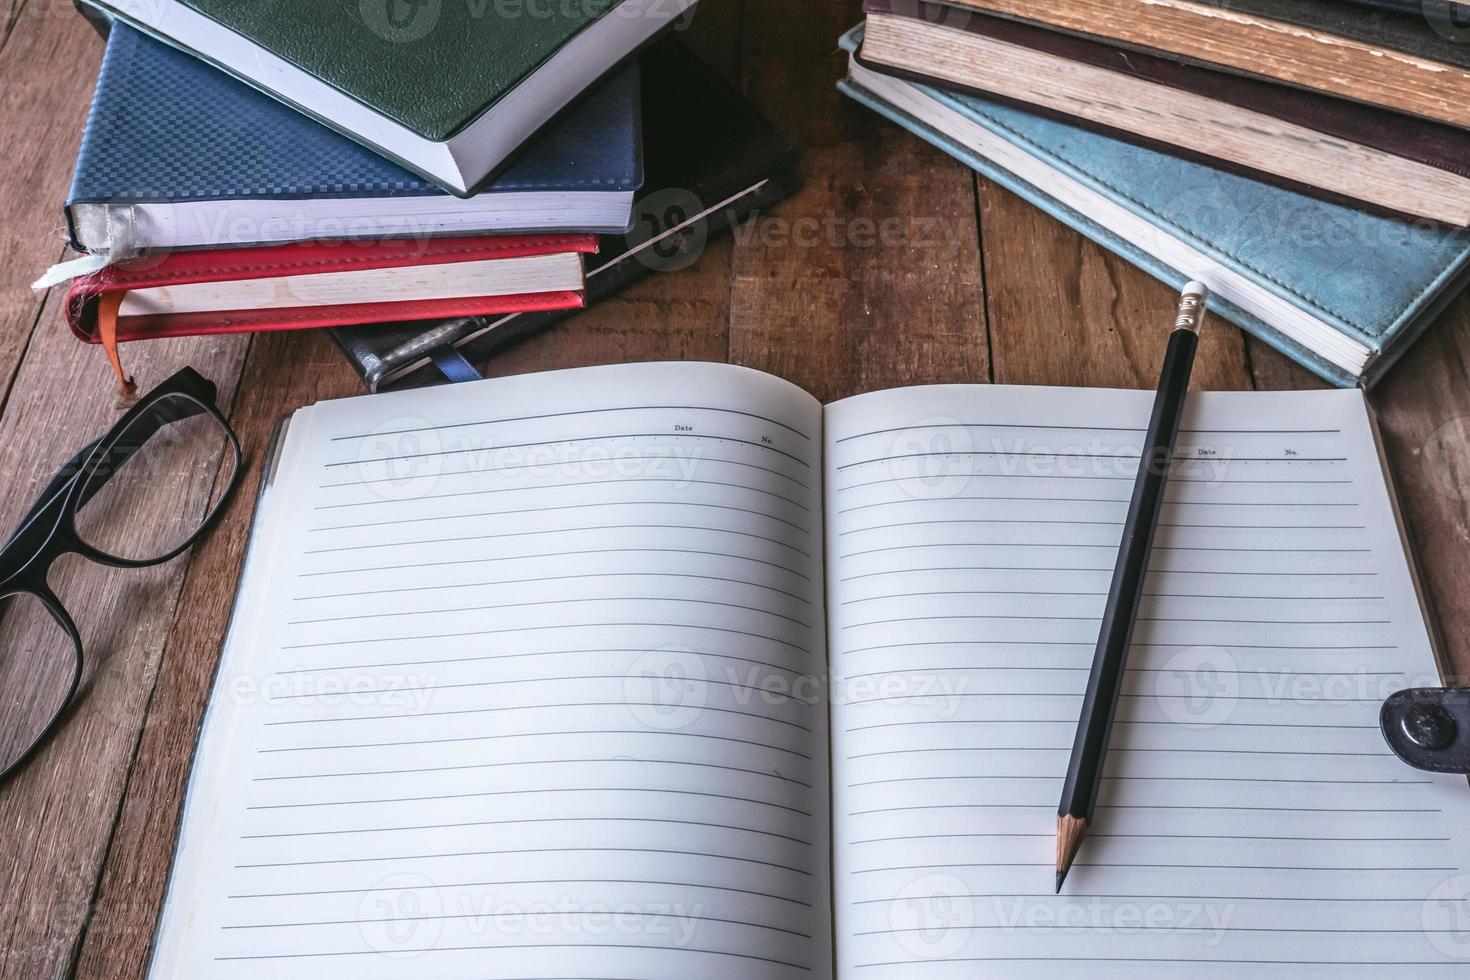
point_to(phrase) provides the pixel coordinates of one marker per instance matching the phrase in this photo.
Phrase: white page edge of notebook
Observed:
(468, 156)
(1293, 322)
(257, 221)
(558, 272)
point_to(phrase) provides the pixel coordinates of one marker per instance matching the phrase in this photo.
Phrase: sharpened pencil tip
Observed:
(1069, 838)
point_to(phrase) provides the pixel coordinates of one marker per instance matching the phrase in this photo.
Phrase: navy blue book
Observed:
(178, 154)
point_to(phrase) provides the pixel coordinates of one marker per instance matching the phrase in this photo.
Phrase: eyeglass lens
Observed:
(134, 504)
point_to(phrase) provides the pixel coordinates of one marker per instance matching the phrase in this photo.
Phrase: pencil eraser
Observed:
(1196, 288)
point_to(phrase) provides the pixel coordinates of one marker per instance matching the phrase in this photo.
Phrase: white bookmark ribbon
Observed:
(120, 234)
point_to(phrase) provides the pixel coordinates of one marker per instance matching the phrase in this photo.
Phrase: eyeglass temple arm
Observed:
(64, 475)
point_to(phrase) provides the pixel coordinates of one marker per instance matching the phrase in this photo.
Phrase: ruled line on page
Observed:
(543, 416)
(667, 851)
(1173, 480)
(430, 715)
(541, 603)
(561, 530)
(401, 743)
(549, 881)
(478, 471)
(552, 509)
(623, 437)
(534, 654)
(362, 569)
(1137, 430)
(538, 820)
(536, 629)
(578, 485)
(520, 946)
(491, 916)
(686, 576)
(619, 760)
(1169, 503)
(1178, 457)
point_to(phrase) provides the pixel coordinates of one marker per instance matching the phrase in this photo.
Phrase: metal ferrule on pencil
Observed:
(1191, 313)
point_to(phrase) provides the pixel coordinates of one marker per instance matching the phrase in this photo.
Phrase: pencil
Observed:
(1089, 749)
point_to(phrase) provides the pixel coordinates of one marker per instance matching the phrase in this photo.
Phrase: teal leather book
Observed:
(1341, 291)
(449, 89)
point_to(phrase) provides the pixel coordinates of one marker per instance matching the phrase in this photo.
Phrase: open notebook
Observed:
(528, 678)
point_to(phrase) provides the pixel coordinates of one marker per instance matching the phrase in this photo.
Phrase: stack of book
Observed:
(340, 164)
(1308, 159)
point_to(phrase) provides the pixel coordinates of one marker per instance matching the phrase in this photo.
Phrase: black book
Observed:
(711, 159)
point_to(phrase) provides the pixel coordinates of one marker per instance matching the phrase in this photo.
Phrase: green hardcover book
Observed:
(449, 88)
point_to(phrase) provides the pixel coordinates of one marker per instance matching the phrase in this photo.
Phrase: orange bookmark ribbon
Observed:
(108, 306)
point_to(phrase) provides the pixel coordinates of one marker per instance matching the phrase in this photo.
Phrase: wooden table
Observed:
(967, 284)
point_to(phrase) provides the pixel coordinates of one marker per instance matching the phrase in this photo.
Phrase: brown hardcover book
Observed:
(1414, 63)
(1329, 147)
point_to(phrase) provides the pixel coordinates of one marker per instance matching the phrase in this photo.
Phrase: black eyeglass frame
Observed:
(49, 531)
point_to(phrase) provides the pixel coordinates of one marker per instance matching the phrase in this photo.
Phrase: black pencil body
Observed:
(1089, 750)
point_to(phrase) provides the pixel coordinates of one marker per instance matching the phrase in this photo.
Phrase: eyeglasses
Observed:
(121, 501)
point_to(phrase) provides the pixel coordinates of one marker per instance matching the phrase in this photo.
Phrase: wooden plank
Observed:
(1424, 414)
(58, 825)
(48, 59)
(1272, 370)
(1064, 311)
(870, 277)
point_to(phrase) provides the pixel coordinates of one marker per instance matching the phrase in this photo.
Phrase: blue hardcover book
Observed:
(178, 154)
(1341, 291)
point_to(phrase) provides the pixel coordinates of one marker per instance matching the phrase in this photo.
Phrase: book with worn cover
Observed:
(306, 285)
(179, 155)
(448, 89)
(669, 671)
(1415, 62)
(1304, 140)
(1341, 291)
(712, 159)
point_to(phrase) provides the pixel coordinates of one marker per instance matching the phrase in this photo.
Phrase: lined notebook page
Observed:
(513, 691)
(1252, 819)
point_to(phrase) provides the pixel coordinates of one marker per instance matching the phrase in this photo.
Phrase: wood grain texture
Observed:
(870, 277)
(48, 107)
(1063, 311)
(1424, 414)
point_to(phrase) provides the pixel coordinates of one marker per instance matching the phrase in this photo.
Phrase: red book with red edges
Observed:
(316, 284)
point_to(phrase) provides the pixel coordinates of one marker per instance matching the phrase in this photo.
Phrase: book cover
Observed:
(1413, 64)
(177, 154)
(300, 294)
(450, 90)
